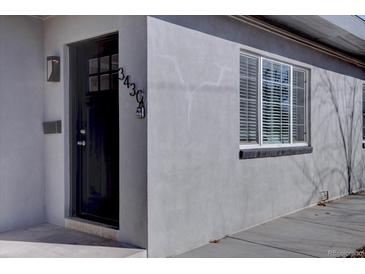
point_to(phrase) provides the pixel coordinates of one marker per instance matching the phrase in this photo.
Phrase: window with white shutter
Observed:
(363, 113)
(299, 105)
(274, 103)
(248, 99)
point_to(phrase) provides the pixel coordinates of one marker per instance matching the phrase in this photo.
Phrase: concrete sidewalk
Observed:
(46, 240)
(313, 232)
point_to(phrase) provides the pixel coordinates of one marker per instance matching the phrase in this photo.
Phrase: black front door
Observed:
(95, 129)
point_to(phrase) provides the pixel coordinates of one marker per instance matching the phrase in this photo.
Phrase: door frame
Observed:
(71, 152)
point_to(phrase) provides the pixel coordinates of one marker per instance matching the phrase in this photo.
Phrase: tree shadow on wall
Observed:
(336, 136)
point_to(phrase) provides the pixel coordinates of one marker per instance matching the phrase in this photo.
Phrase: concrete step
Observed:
(50, 241)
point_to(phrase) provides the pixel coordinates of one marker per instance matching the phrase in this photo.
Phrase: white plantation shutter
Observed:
(363, 112)
(248, 99)
(299, 105)
(275, 102)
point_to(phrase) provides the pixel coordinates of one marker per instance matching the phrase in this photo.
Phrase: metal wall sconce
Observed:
(53, 68)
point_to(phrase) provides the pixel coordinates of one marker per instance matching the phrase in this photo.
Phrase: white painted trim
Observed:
(277, 61)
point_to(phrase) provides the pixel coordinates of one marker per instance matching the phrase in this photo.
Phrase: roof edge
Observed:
(298, 39)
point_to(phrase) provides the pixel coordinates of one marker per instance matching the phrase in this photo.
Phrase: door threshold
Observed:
(92, 228)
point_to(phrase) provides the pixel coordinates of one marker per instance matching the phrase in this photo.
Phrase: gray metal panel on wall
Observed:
(52, 127)
(22, 200)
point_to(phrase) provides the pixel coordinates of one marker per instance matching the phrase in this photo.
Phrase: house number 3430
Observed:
(139, 94)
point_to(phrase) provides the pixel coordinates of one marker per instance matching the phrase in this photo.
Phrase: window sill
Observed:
(273, 152)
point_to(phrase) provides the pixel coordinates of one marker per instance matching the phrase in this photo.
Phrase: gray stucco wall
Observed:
(21, 114)
(198, 189)
(231, 29)
(60, 31)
